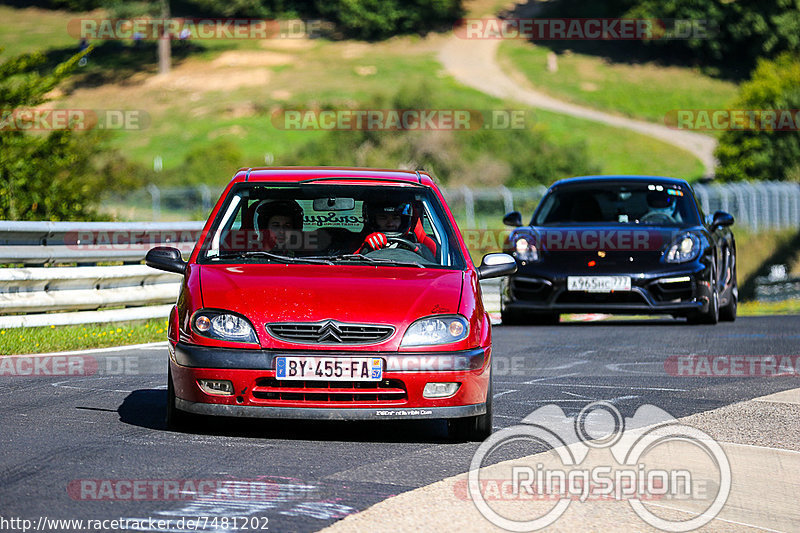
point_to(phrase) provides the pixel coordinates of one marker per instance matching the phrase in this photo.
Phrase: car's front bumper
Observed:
(321, 413)
(678, 291)
(398, 395)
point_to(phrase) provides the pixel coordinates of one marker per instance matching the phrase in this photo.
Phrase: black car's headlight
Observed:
(525, 249)
(224, 326)
(686, 247)
(434, 330)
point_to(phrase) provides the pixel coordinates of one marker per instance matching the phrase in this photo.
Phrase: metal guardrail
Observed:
(755, 205)
(140, 291)
(39, 243)
(38, 295)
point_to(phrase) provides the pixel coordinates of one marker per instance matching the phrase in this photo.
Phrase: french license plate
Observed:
(329, 368)
(598, 283)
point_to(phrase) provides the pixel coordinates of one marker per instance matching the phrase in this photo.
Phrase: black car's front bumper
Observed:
(677, 290)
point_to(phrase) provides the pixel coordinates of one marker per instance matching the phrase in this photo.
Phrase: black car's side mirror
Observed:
(165, 258)
(721, 218)
(513, 219)
(496, 265)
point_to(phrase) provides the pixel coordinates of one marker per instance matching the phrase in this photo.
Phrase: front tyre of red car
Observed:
(176, 419)
(473, 428)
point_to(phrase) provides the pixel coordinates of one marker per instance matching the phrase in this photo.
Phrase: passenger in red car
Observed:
(279, 224)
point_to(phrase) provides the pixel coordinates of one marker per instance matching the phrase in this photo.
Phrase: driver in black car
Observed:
(661, 207)
(388, 224)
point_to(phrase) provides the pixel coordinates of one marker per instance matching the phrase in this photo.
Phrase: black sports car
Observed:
(620, 244)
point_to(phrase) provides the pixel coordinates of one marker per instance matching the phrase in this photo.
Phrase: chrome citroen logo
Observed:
(329, 332)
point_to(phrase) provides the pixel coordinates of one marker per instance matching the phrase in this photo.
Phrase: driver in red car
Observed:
(386, 224)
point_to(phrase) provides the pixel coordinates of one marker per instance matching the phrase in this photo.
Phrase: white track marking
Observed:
(576, 395)
(615, 367)
(531, 382)
(97, 350)
(610, 387)
(568, 365)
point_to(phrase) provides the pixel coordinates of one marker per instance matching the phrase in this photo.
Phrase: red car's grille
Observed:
(388, 391)
(329, 332)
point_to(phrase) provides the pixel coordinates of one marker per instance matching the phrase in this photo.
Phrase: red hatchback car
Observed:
(335, 294)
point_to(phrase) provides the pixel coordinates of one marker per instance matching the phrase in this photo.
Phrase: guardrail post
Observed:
(205, 194)
(508, 198)
(703, 194)
(469, 205)
(155, 195)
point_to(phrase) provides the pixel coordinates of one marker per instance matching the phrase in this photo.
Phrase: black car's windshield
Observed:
(329, 224)
(656, 203)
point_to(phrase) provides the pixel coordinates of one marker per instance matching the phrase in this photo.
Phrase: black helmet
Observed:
(267, 209)
(660, 200)
(372, 209)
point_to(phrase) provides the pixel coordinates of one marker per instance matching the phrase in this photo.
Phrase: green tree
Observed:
(761, 154)
(52, 176)
(379, 19)
(743, 29)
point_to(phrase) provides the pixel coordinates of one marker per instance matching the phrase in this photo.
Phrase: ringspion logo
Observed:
(599, 455)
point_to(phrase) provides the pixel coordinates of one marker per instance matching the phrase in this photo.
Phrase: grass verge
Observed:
(80, 337)
(644, 91)
(227, 90)
(785, 307)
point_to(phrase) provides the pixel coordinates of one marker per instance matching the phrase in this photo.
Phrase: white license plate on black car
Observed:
(329, 368)
(598, 283)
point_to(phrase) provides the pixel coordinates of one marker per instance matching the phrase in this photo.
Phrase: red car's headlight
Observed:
(224, 326)
(435, 330)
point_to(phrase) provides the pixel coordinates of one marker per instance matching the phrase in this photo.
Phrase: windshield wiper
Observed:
(276, 257)
(362, 257)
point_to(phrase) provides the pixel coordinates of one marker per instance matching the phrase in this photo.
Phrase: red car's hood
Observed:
(309, 293)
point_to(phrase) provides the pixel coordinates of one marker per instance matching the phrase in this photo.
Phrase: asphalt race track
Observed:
(66, 438)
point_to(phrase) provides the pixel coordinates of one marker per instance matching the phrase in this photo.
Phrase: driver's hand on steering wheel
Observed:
(375, 241)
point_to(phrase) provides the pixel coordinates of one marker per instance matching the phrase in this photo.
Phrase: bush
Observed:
(480, 157)
(54, 176)
(764, 155)
(745, 30)
(379, 19)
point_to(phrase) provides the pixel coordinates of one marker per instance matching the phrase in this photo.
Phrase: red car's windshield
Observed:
(327, 223)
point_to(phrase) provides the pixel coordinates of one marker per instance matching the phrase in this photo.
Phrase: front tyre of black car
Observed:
(727, 313)
(511, 317)
(514, 317)
(710, 316)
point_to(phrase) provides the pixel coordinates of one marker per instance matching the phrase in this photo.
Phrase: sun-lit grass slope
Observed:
(646, 91)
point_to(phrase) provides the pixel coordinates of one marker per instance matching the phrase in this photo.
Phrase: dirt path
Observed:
(473, 62)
